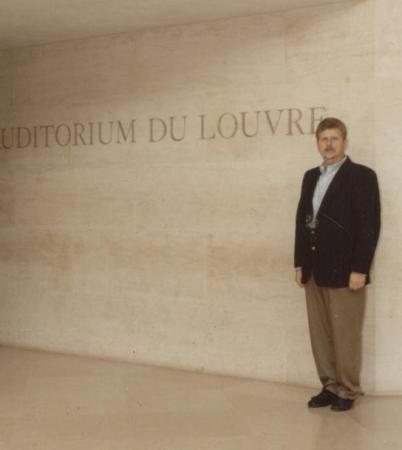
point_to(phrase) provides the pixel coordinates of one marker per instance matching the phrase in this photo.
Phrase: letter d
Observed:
(152, 129)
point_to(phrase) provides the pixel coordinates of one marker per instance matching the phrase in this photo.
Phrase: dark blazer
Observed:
(347, 229)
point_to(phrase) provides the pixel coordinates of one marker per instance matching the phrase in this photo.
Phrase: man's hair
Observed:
(329, 124)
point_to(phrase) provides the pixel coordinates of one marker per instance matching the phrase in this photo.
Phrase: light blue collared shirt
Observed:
(327, 175)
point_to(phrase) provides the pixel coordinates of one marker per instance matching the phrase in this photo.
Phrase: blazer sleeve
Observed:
(367, 219)
(300, 224)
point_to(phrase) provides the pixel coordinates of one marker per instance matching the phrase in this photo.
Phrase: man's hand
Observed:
(299, 278)
(357, 280)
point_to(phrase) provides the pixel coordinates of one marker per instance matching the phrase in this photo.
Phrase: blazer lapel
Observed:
(337, 181)
(311, 187)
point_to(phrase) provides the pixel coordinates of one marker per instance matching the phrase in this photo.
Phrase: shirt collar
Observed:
(332, 167)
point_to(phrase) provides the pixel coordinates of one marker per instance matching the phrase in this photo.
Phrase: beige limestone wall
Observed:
(388, 105)
(177, 252)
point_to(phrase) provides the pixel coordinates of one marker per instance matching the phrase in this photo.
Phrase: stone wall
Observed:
(149, 183)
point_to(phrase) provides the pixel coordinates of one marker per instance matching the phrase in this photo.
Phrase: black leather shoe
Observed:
(342, 404)
(324, 398)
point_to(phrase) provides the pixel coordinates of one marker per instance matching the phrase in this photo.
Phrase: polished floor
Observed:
(57, 402)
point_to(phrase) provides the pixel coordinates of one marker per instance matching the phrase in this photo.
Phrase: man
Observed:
(337, 228)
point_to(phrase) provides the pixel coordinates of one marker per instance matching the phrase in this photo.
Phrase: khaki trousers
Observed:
(335, 317)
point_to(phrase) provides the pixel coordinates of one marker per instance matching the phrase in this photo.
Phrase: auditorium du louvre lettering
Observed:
(157, 129)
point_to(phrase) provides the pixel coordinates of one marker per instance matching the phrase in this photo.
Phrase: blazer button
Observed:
(313, 248)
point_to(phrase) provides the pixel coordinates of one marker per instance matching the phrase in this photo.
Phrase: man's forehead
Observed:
(330, 132)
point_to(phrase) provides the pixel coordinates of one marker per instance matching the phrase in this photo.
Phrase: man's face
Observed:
(331, 145)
